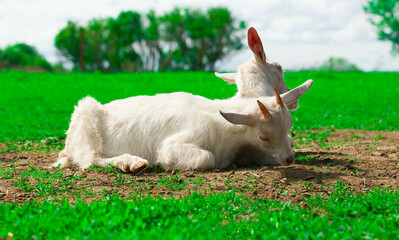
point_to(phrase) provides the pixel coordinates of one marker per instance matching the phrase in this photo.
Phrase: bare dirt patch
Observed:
(361, 160)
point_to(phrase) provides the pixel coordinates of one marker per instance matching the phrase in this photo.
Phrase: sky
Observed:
(296, 33)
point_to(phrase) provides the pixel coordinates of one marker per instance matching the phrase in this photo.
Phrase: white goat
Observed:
(257, 78)
(177, 131)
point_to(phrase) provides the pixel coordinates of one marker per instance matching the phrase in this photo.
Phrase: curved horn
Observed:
(265, 113)
(236, 118)
(292, 95)
(278, 98)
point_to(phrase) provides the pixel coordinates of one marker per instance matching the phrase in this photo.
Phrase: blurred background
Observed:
(182, 35)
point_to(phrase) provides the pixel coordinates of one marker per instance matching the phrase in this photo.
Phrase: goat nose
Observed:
(290, 159)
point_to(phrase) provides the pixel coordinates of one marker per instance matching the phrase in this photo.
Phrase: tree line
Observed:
(178, 40)
(23, 56)
(182, 39)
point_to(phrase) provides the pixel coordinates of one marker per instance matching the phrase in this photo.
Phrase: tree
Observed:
(197, 39)
(387, 20)
(154, 57)
(106, 44)
(96, 50)
(224, 35)
(338, 65)
(70, 42)
(125, 32)
(173, 32)
(182, 39)
(23, 55)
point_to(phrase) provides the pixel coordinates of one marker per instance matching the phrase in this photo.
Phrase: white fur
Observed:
(177, 131)
(182, 131)
(256, 78)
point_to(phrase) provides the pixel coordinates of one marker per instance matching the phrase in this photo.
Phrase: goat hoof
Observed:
(125, 168)
(140, 166)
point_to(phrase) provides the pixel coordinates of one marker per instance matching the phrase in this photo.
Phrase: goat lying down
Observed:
(257, 78)
(177, 131)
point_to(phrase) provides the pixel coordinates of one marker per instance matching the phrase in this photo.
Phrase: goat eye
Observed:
(265, 138)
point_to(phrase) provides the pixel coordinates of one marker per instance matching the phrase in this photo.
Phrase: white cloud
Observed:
(297, 33)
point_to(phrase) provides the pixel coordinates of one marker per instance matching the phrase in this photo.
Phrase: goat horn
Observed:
(235, 118)
(265, 113)
(292, 95)
(278, 98)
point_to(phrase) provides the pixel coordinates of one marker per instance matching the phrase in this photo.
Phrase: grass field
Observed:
(36, 106)
(222, 216)
(314, 199)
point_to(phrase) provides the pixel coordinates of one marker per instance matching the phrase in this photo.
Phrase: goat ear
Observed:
(228, 77)
(292, 96)
(236, 118)
(255, 44)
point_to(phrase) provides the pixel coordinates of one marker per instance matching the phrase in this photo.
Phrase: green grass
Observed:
(45, 182)
(34, 106)
(7, 173)
(348, 101)
(224, 216)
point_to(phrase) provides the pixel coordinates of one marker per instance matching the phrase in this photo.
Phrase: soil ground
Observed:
(362, 160)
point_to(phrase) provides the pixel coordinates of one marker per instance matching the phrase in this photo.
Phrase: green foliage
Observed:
(386, 20)
(154, 58)
(342, 215)
(37, 106)
(176, 40)
(202, 38)
(23, 56)
(338, 65)
(95, 45)
(67, 42)
(124, 31)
